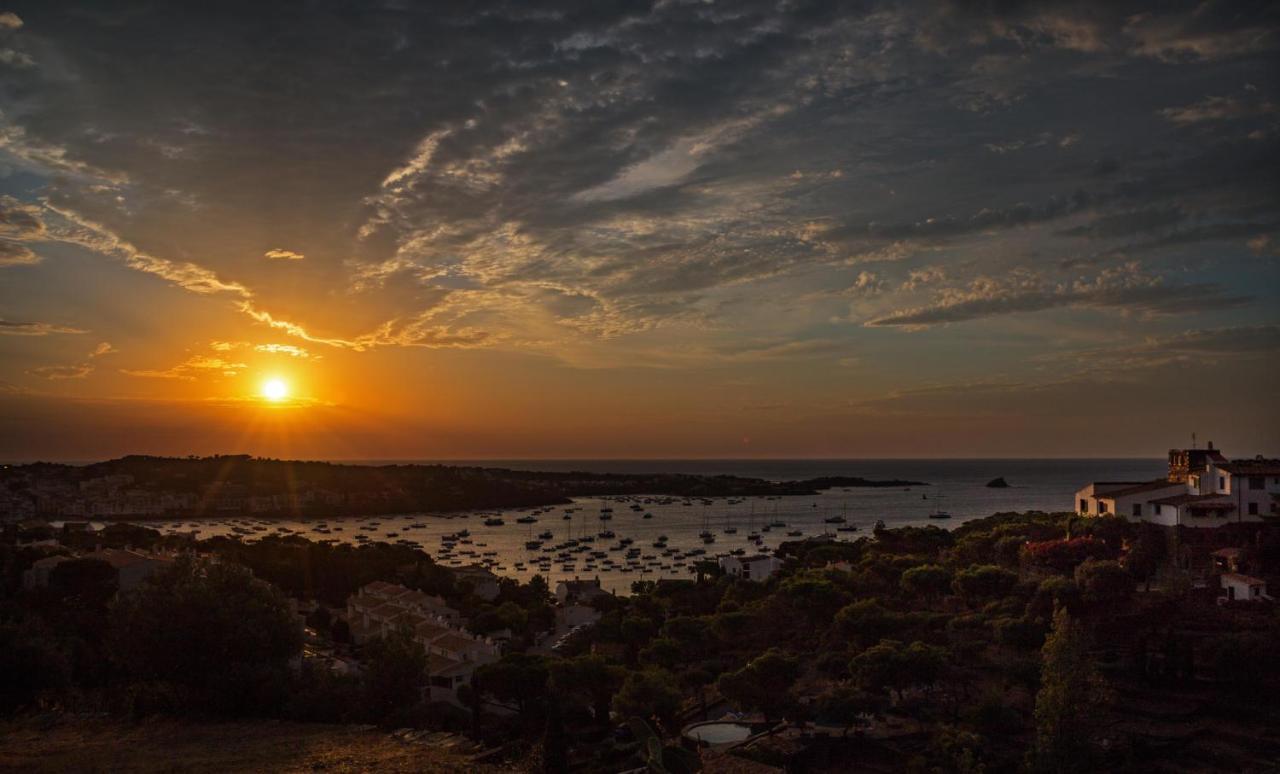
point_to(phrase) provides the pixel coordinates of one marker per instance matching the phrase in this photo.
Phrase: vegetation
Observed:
(1004, 645)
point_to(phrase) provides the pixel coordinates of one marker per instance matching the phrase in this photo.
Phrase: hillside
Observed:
(77, 743)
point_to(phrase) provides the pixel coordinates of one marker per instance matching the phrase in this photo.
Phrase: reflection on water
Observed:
(624, 539)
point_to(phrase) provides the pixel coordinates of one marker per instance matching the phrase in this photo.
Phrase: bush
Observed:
(1063, 556)
(984, 582)
(1104, 584)
(221, 637)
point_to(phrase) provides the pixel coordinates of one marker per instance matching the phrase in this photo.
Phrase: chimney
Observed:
(1211, 446)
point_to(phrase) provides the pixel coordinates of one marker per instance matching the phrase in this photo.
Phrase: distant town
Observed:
(139, 487)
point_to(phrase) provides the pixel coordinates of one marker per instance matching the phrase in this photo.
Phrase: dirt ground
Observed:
(97, 744)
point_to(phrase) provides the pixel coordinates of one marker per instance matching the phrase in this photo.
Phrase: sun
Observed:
(275, 390)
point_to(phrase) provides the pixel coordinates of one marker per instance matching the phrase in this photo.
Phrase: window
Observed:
(1084, 506)
(1253, 509)
(1102, 507)
(1222, 482)
(1137, 509)
(1257, 482)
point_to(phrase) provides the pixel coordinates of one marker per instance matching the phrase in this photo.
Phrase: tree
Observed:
(764, 684)
(589, 678)
(517, 679)
(983, 582)
(394, 675)
(1069, 701)
(847, 706)
(1104, 584)
(929, 581)
(210, 631)
(1147, 551)
(555, 747)
(865, 621)
(891, 666)
(649, 694)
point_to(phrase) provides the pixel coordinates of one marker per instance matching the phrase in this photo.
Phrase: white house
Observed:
(1202, 489)
(579, 592)
(1238, 587)
(453, 654)
(754, 568)
(484, 583)
(37, 577)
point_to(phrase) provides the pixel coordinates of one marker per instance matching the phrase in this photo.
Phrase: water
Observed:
(955, 486)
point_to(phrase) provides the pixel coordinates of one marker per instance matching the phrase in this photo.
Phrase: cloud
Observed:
(284, 255)
(188, 369)
(13, 328)
(20, 220)
(103, 348)
(10, 20)
(1124, 288)
(57, 373)
(16, 254)
(78, 230)
(1217, 109)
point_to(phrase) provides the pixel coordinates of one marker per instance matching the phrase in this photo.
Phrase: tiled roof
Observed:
(1236, 577)
(444, 666)
(1150, 486)
(1201, 501)
(1252, 467)
(457, 643)
(428, 631)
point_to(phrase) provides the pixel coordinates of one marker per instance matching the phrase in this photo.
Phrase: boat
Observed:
(795, 533)
(494, 522)
(533, 544)
(939, 515)
(526, 520)
(545, 535)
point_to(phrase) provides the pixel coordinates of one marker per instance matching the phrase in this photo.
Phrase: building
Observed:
(453, 654)
(756, 568)
(579, 592)
(1202, 489)
(484, 583)
(37, 576)
(1243, 588)
(132, 567)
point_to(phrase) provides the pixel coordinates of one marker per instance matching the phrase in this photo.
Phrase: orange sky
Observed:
(682, 232)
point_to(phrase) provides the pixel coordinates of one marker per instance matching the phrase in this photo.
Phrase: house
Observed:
(579, 592)
(484, 583)
(756, 568)
(1246, 588)
(37, 576)
(379, 608)
(132, 567)
(1202, 489)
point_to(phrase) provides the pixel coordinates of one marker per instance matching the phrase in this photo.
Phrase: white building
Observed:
(1237, 587)
(1203, 489)
(380, 608)
(756, 568)
(579, 592)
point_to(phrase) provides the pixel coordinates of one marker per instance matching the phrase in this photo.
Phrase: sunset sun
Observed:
(275, 390)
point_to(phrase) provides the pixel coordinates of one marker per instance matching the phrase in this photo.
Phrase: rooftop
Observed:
(1150, 486)
(1199, 501)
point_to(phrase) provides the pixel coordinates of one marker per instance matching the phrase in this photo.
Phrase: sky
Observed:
(638, 229)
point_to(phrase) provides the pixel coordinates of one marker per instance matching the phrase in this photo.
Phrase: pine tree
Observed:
(1071, 696)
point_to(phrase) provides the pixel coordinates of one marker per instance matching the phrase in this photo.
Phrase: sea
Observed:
(957, 487)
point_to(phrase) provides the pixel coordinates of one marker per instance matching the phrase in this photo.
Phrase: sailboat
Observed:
(705, 534)
(728, 530)
(938, 512)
